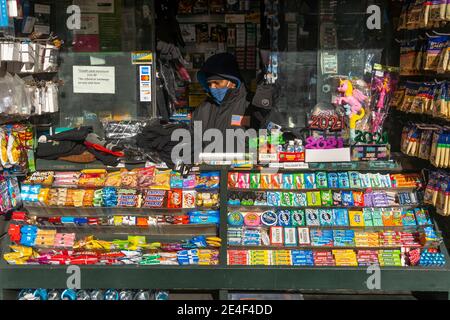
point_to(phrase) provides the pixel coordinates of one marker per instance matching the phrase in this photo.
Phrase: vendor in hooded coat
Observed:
(229, 105)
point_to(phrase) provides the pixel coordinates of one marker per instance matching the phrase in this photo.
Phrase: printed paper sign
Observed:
(88, 79)
(89, 24)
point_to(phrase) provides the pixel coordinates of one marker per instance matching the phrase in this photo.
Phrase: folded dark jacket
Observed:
(56, 149)
(105, 158)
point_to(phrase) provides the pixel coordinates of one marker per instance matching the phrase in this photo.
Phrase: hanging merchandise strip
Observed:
(437, 192)
(424, 14)
(9, 194)
(4, 20)
(35, 56)
(273, 24)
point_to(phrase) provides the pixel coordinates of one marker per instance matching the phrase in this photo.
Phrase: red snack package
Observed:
(233, 178)
(175, 200)
(358, 198)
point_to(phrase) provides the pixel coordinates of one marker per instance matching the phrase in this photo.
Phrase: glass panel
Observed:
(320, 40)
(100, 81)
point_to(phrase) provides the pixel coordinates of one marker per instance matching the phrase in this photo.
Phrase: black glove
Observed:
(265, 96)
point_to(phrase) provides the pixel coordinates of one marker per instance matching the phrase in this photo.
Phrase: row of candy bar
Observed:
(320, 180)
(96, 295)
(114, 197)
(304, 236)
(338, 258)
(30, 236)
(323, 198)
(147, 178)
(199, 250)
(368, 217)
(195, 217)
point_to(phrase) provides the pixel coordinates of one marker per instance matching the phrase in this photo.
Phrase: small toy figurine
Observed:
(352, 99)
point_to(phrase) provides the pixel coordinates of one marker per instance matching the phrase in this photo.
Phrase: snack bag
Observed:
(113, 179)
(129, 179)
(146, 177)
(161, 180)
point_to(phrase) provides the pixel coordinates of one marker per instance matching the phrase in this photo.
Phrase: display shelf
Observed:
(227, 278)
(324, 189)
(222, 277)
(318, 248)
(361, 166)
(356, 228)
(252, 208)
(44, 211)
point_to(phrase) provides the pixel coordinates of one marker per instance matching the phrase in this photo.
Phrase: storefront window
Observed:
(100, 80)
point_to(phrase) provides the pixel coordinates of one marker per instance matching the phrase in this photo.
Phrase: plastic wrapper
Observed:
(384, 84)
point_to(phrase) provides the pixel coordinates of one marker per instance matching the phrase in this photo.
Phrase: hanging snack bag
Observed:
(416, 18)
(411, 90)
(435, 46)
(408, 57)
(420, 54)
(444, 59)
(398, 97)
(425, 14)
(424, 99)
(436, 12)
(403, 16)
(439, 108)
(447, 11)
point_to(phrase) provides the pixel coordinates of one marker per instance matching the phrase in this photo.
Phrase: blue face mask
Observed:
(218, 94)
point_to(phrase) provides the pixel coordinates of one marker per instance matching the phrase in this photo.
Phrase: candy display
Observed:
(143, 188)
(16, 148)
(430, 98)
(319, 180)
(328, 198)
(330, 218)
(423, 14)
(437, 192)
(425, 55)
(96, 295)
(37, 246)
(427, 142)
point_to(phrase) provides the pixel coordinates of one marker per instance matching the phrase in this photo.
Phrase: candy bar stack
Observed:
(302, 258)
(390, 258)
(345, 258)
(367, 257)
(324, 259)
(238, 257)
(281, 258)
